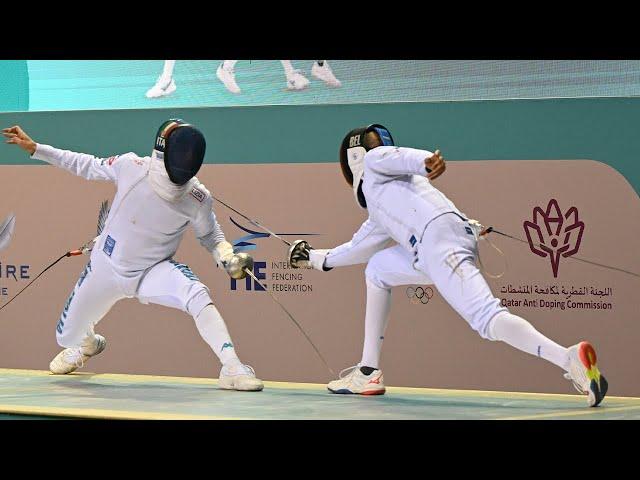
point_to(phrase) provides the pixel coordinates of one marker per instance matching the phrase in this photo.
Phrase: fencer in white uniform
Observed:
(435, 244)
(157, 199)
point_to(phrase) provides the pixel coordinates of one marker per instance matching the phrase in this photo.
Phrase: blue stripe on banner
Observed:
(242, 244)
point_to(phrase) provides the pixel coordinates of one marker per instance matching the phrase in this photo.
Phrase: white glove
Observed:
(233, 263)
(222, 253)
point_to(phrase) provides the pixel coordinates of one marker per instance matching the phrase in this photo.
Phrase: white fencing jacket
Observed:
(401, 202)
(142, 228)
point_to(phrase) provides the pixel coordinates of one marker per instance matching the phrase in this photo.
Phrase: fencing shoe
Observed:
(297, 81)
(239, 377)
(353, 381)
(228, 78)
(325, 74)
(162, 88)
(584, 373)
(70, 359)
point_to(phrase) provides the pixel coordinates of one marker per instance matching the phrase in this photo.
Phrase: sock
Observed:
(367, 370)
(288, 67)
(214, 331)
(228, 65)
(320, 63)
(167, 71)
(375, 323)
(520, 334)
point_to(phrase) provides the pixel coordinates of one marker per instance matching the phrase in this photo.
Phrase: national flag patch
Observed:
(109, 245)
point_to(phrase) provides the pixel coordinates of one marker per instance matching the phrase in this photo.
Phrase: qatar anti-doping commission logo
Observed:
(554, 234)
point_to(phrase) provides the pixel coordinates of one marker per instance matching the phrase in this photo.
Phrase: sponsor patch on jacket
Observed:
(109, 245)
(198, 195)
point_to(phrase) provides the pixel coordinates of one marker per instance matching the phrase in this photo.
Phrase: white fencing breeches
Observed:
(445, 258)
(168, 283)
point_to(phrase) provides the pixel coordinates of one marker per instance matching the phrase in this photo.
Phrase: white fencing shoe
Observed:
(325, 74)
(162, 88)
(228, 78)
(297, 81)
(70, 359)
(353, 381)
(239, 377)
(584, 373)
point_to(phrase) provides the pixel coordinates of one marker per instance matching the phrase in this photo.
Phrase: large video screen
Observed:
(133, 84)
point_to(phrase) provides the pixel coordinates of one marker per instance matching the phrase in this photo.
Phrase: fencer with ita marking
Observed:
(157, 199)
(435, 244)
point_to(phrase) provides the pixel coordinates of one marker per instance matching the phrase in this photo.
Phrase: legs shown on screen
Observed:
(165, 84)
(226, 74)
(295, 79)
(322, 71)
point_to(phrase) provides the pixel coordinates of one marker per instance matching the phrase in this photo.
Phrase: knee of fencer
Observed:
(486, 330)
(198, 300)
(372, 274)
(482, 318)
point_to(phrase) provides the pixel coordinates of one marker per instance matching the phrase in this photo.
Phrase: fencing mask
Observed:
(352, 152)
(181, 146)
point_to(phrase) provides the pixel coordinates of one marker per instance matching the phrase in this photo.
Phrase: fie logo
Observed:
(245, 244)
(250, 283)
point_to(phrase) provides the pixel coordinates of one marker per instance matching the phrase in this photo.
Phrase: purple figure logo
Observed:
(553, 234)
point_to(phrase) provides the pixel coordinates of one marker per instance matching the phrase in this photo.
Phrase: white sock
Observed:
(375, 324)
(214, 331)
(288, 67)
(167, 71)
(520, 334)
(228, 65)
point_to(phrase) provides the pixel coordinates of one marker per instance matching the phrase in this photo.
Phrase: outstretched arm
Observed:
(81, 164)
(368, 240)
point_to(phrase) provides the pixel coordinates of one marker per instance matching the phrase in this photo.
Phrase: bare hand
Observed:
(435, 165)
(17, 136)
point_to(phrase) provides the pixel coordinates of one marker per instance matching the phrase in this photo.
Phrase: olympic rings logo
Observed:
(419, 295)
